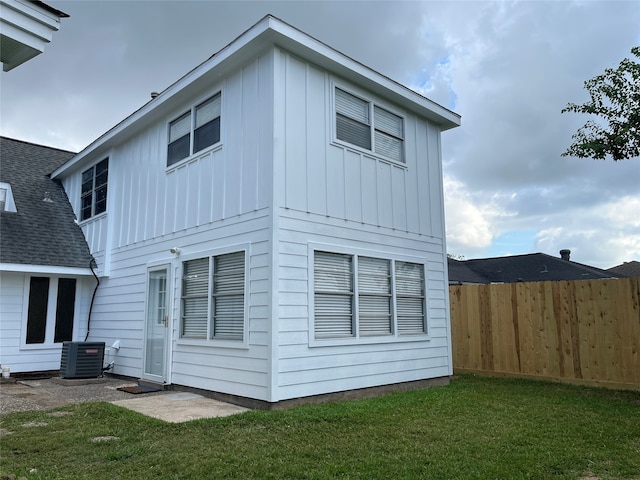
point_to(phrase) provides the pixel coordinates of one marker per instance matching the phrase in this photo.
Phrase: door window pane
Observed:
(65, 310)
(37, 313)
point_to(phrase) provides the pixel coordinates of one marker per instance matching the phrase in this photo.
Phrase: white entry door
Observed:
(157, 326)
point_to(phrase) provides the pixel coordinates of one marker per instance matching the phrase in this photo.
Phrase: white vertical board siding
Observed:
(146, 200)
(215, 199)
(327, 178)
(342, 197)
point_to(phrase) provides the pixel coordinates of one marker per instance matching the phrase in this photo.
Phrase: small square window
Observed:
(368, 126)
(201, 123)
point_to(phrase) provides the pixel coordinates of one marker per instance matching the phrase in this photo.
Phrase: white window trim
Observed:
(101, 215)
(214, 342)
(9, 204)
(356, 339)
(373, 102)
(192, 109)
(51, 312)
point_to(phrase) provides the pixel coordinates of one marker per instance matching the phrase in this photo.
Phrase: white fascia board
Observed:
(298, 42)
(30, 18)
(102, 144)
(268, 32)
(45, 269)
(29, 27)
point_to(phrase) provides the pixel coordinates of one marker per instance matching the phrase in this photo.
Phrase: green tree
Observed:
(615, 98)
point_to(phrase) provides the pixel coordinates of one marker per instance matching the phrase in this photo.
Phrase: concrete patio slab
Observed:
(179, 407)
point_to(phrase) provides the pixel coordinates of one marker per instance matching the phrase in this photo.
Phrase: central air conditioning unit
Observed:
(81, 359)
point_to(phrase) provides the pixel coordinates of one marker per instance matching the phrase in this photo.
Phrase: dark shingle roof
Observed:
(39, 233)
(626, 269)
(533, 267)
(460, 273)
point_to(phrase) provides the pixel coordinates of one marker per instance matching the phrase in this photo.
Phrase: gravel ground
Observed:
(43, 394)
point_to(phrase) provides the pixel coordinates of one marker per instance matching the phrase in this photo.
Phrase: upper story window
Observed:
(6, 198)
(94, 190)
(362, 123)
(194, 130)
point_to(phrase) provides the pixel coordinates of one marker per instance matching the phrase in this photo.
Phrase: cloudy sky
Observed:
(507, 67)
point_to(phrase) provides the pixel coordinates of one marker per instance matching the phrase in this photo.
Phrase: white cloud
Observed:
(471, 225)
(604, 236)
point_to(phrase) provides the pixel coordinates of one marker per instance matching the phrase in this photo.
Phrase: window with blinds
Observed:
(213, 297)
(333, 292)
(410, 298)
(228, 296)
(361, 123)
(388, 296)
(374, 296)
(202, 122)
(195, 298)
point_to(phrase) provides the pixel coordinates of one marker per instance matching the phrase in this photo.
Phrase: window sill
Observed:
(368, 153)
(355, 341)
(41, 346)
(95, 218)
(195, 157)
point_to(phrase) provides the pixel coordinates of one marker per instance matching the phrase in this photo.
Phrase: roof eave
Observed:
(268, 32)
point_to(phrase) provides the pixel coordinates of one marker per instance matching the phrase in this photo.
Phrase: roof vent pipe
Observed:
(565, 254)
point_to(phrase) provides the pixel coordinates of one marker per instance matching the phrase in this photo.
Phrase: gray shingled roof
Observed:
(460, 273)
(532, 267)
(39, 233)
(627, 269)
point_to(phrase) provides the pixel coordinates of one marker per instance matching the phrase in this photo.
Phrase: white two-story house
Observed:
(271, 226)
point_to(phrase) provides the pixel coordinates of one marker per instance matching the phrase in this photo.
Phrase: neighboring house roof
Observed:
(460, 273)
(40, 232)
(533, 267)
(626, 269)
(269, 31)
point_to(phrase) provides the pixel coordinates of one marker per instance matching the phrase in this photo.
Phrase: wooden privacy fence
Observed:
(585, 331)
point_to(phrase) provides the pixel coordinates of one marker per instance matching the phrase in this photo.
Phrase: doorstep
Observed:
(150, 383)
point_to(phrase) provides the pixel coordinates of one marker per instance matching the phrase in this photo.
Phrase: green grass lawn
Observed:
(474, 428)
